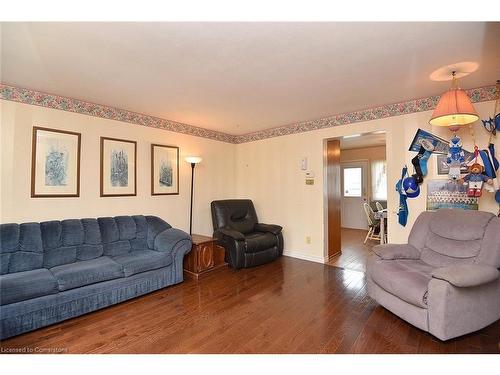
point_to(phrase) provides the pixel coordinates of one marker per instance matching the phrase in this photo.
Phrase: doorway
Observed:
(355, 178)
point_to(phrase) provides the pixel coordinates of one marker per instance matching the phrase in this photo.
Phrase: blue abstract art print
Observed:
(164, 170)
(118, 167)
(56, 166)
(55, 170)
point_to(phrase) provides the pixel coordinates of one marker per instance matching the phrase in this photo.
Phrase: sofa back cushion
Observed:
(29, 246)
(236, 214)
(20, 247)
(454, 237)
(113, 241)
(69, 241)
(155, 226)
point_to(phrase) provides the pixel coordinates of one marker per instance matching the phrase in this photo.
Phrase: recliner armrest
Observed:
(235, 235)
(396, 251)
(466, 275)
(270, 228)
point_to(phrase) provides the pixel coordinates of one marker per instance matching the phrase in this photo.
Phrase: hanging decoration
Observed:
(454, 110)
(403, 205)
(455, 158)
(475, 179)
(490, 161)
(492, 125)
(436, 144)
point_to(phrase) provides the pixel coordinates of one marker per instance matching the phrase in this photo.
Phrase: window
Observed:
(379, 180)
(352, 182)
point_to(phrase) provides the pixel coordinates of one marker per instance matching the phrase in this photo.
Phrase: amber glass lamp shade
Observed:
(454, 109)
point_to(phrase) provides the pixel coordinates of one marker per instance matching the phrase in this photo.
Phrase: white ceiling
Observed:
(244, 77)
(363, 141)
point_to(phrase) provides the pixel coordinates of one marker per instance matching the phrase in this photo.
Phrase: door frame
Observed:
(331, 198)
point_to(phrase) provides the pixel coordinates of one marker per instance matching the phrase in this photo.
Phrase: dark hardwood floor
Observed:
(287, 306)
(354, 251)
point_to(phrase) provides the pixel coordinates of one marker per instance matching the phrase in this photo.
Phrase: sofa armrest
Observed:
(466, 275)
(396, 251)
(233, 234)
(270, 228)
(170, 239)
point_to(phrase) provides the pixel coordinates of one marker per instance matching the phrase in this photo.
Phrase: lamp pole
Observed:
(193, 160)
(191, 211)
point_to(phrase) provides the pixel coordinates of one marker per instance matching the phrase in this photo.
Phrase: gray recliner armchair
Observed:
(445, 280)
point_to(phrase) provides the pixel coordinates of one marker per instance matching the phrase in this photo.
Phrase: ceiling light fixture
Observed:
(351, 136)
(454, 108)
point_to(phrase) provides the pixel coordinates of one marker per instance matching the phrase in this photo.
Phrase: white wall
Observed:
(268, 171)
(214, 176)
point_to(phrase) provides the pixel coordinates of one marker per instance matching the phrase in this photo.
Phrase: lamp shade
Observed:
(193, 159)
(454, 109)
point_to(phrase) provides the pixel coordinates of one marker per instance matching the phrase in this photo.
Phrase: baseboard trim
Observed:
(310, 258)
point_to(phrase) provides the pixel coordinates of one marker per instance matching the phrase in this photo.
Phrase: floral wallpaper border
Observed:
(480, 94)
(27, 96)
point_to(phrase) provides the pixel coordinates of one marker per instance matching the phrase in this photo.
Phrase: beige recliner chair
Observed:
(446, 279)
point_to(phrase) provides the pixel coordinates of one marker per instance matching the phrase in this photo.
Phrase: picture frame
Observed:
(118, 172)
(164, 170)
(55, 163)
(443, 168)
(449, 194)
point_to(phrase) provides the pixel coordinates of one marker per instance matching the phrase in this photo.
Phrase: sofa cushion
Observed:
(259, 241)
(117, 248)
(109, 229)
(9, 238)
(86, 251)
(27, 255)
(453, 248)
(460, 225)
(51, 234)
(155, 227)
(406, 279)
(92, 232)
(143, 260)
(30, 238)
(141, 226)
(86, 272)
(396, 251)
(72, 232)
(59, 256)
(126, 227)
(21, 286)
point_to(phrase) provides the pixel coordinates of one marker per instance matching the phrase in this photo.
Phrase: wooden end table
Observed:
(204, 258)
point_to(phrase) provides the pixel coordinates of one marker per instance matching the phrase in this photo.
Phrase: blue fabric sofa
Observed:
(56, 270)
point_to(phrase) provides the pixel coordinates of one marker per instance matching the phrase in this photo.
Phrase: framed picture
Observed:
(164, 170)
(449, 194)
(118, 167)
(443, 167)
(55, 163)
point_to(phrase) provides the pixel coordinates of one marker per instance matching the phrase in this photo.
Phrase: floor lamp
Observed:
(193, 160)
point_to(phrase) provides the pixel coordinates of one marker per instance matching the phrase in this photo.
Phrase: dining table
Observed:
(382, 216)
